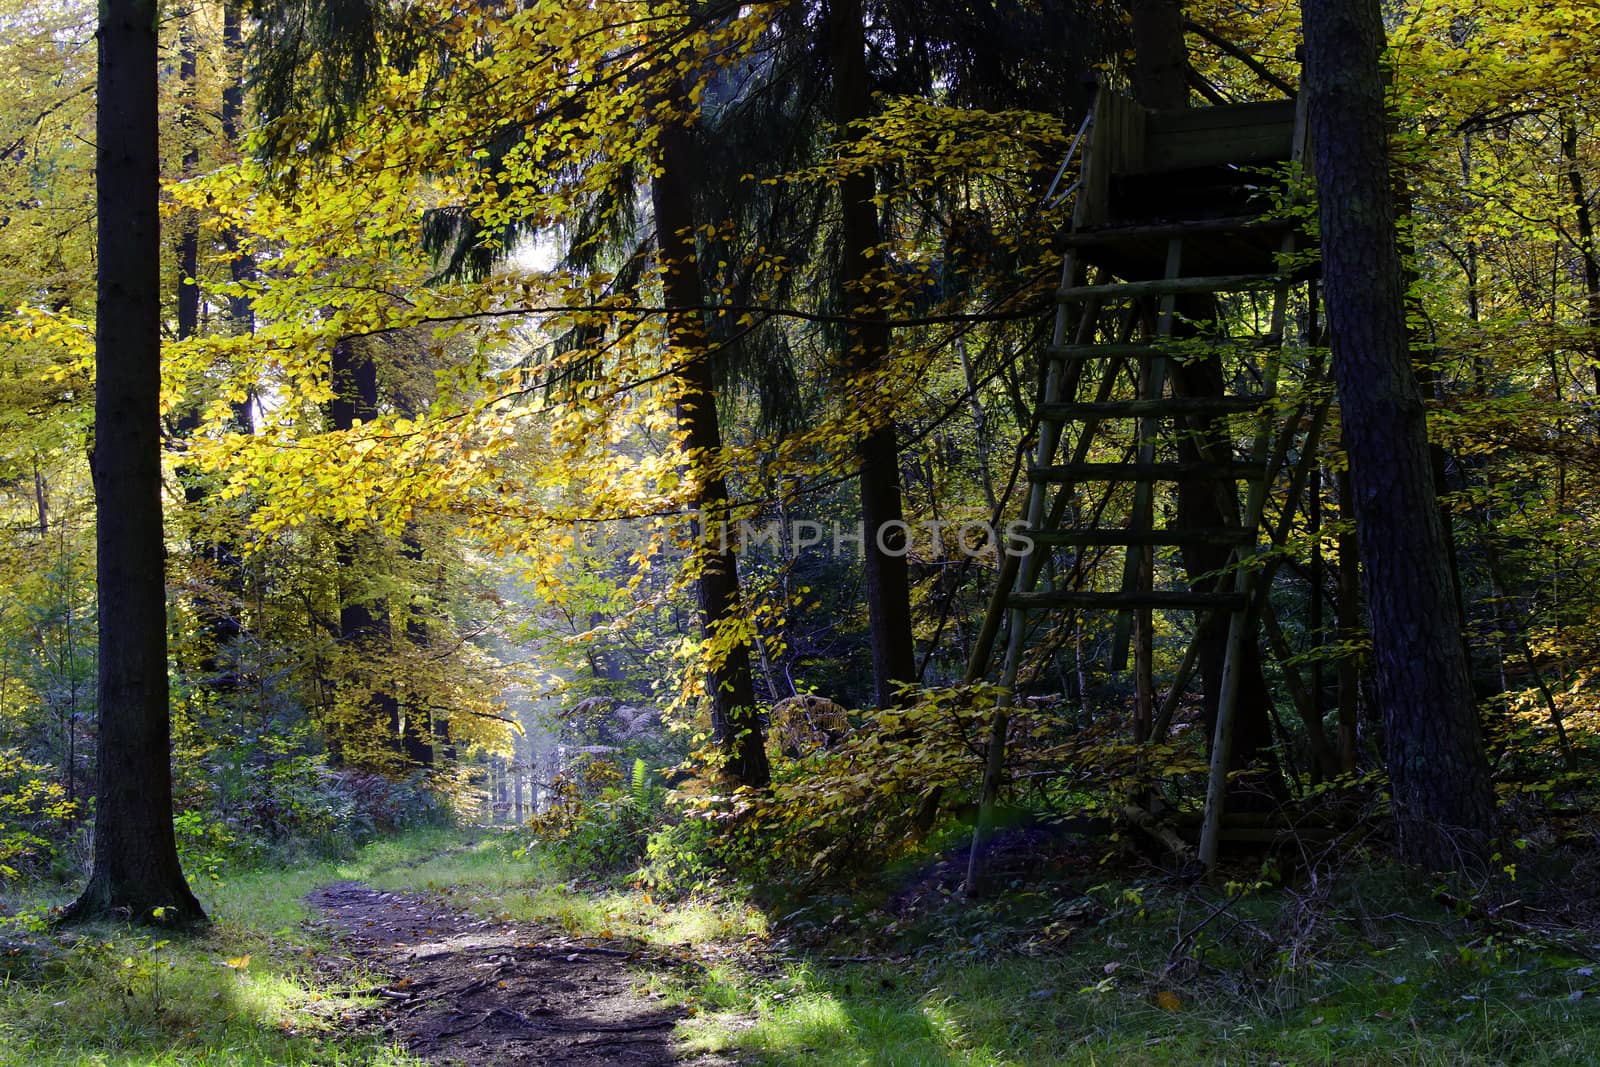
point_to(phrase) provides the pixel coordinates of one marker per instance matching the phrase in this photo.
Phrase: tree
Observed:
(883, 549)
(136, 869)
(1442, 800)
(735, 725)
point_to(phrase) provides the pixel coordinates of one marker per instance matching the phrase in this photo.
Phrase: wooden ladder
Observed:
(1077, 350)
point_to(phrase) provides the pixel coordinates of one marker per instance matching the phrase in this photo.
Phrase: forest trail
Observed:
(479, 992)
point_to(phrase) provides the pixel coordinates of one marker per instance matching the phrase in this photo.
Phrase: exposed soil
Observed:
(476, 992)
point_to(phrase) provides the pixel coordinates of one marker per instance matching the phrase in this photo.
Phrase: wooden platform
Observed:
(1212, 172)
(1171, 208)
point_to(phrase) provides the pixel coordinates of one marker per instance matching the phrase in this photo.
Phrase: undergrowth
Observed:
(1093, 965)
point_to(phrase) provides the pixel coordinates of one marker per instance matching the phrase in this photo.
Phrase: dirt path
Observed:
(470, 991)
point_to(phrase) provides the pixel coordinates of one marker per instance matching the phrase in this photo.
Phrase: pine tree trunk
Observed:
(136, 870)
(735, 720)
(867, 346)
(1443, 804)
(416, 725)
(217, 622)
(355, 399)
(188, 243)
(1161, 62)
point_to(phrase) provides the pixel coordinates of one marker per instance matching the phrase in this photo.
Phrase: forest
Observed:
(840, 532)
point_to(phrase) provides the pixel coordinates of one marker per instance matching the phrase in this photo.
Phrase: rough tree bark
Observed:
(1442, 800)
(355, 399)
(867, 347)
(1161, 63)
(136, 872)
(735, 721)
(188, 242)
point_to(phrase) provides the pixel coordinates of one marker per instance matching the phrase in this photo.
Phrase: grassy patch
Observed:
(1065, 974)
(488, 879)
(256, 988)
(1127, 989)
(1125, 973)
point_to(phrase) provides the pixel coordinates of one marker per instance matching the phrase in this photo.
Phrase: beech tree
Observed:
(136, 869)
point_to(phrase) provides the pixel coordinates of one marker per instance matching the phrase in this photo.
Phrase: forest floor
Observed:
(445, 947)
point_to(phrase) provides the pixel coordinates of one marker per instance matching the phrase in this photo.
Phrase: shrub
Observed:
(34, 815)
(598, 821)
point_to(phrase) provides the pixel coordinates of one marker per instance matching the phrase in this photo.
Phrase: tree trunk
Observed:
(217, 623)
(241, 265)
(735, 721)
(884, 547)
(136, 871)
(355, 399)
(1161, 61)
(1586, 243)
(1202, 504)
(416, 725)
(1442, 800)
(188, 243)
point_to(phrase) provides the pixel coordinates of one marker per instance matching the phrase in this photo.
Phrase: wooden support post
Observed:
(1222, 740)
(1152, 383)
(1305, 702)
(1169, 706)
(1227, 701)
(1144, 653)
(1153, 376)
(1011, 574)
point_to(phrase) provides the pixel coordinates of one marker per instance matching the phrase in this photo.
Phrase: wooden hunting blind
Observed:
(1208, 170)
(1179, 251)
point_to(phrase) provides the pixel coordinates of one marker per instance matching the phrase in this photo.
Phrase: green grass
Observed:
(1032, 1012)
(247, 991)
(487, 878)
(1372, 978)
(1369, 977)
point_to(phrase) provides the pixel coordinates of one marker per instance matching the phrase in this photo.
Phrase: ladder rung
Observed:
(1194, 535)
(1160, 408)
(1156, 599)
(1146, 349)
(1146, 472)
(1112, 235)
(1215, 283)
